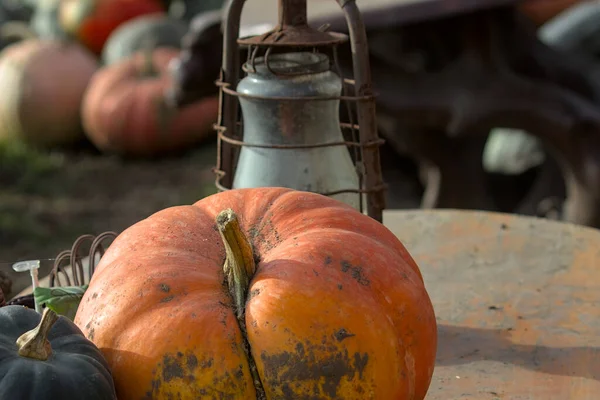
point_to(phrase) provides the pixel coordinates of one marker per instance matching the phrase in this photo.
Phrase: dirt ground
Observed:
(48, 199)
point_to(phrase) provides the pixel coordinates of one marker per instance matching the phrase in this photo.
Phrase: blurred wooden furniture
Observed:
(516, 300)
(446, 73)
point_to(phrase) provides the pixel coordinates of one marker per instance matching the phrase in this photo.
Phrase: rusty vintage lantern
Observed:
(289, 133)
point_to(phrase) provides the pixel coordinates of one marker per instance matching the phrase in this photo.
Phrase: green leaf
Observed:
(62, 300)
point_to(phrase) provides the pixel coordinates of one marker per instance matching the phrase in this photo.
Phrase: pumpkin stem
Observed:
(34, 343)
(239, 268)
(239, 264)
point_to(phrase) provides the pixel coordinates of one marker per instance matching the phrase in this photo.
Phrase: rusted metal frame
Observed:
(292, 13)
(223, 138)
(71, 257)
(228, 108)
(96, 249)
(365, 110)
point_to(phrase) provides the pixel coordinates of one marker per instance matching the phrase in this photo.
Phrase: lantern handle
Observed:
(366, 111)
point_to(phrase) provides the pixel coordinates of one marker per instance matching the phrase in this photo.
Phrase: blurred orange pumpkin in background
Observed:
(125, 110)
(92, 21)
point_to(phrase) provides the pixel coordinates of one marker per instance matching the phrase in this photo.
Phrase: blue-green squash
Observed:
(46, 357)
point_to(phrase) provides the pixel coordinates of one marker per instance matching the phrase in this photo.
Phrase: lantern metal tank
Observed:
(271, 121)
(290, 133)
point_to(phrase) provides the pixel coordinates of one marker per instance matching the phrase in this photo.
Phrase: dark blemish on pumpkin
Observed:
(287, 391)
(91, 333)
(275, 232)
(155, 384)
(253, 232)
(322, 366)
(315, 272)
(223, 304)
(240, 372)
(253, 294)
(167, 299)
(95, 295)
(504, 227)
(174, 391)
(356, 272)
(360, 363)
(259, 240)
(328, 260)
(340, 287)
(192, 362)
(172, 368)
(164, 287)
(342, 334)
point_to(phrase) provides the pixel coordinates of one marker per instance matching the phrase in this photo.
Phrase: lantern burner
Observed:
(293, 30)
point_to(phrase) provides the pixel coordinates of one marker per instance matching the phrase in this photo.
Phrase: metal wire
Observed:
(73, 258)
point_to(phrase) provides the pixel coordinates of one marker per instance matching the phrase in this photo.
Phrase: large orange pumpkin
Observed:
(323, 303)
(92, 21)
(125, 109)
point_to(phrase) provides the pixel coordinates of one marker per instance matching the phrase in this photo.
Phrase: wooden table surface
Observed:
(259, 16)
(517, 301)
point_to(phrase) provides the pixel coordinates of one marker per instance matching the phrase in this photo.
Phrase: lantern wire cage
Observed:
(294, 34)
